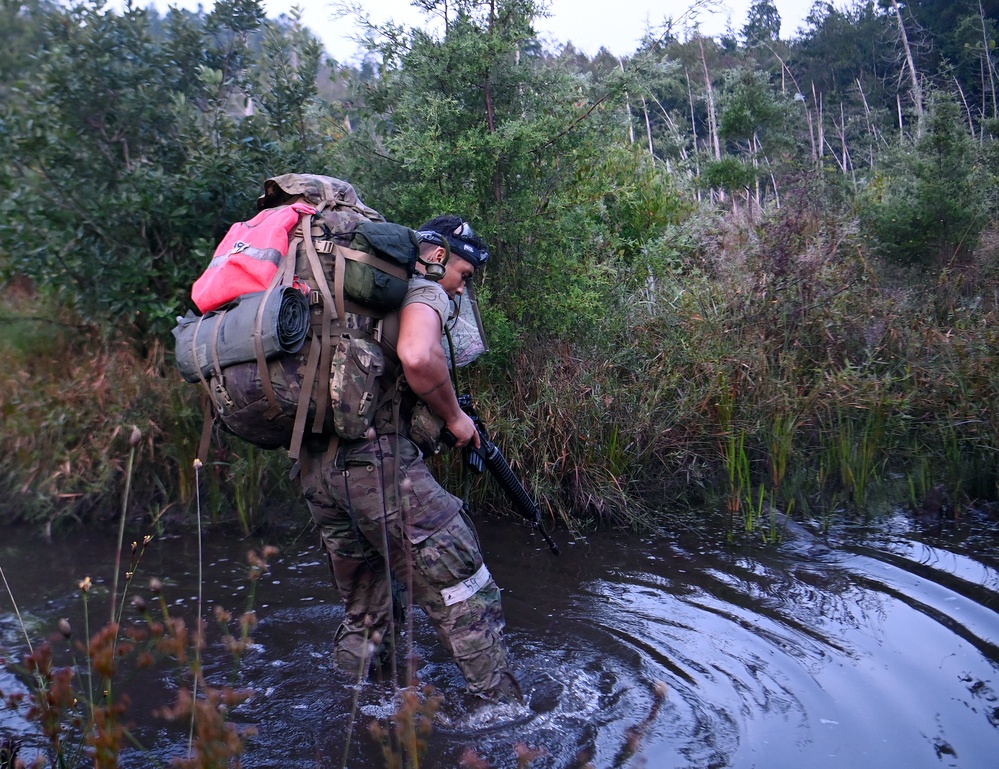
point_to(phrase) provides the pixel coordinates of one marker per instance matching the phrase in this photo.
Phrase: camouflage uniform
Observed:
(376, 500)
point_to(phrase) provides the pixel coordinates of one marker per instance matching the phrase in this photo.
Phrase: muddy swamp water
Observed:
(869, 648)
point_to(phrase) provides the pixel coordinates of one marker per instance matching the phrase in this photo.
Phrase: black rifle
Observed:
(488, 455)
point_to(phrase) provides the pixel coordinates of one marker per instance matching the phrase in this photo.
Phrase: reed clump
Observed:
(772, 364)
(70, 397)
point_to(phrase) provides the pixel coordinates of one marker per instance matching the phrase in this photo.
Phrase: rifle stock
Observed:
(488, 455)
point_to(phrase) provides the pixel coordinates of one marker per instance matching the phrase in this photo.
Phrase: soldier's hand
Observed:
(463, 429)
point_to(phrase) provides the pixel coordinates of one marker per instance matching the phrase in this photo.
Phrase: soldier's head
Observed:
(449, 240)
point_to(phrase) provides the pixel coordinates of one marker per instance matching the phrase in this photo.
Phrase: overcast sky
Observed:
(617, 25)
(589, 24)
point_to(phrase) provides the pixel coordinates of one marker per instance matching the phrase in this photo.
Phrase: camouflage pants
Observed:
(371, 508)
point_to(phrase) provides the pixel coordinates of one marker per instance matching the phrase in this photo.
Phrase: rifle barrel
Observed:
(488, 454)
(514, 489)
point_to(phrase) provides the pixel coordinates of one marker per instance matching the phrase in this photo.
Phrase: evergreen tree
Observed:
(762, 23)
(927, 206)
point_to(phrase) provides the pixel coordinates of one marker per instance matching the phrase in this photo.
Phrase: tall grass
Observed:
(774, 366)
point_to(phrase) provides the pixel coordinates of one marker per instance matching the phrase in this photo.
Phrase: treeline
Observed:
(748, 266)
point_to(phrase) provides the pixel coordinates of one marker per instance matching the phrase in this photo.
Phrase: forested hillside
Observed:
(735, 274)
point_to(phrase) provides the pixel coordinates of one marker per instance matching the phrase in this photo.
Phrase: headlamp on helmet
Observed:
(461, 238)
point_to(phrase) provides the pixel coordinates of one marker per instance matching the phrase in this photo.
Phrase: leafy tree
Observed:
(729, 174)
(751, 110)
(757, 121)
(22, 22)
(843, 51)
(129, 153)
(946, 24)
(977, 38)
(468, 122)
(284, 83)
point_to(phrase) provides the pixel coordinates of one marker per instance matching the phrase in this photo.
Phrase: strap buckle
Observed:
(222, 397)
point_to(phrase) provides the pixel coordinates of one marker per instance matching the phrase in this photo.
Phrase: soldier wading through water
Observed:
(382, 514)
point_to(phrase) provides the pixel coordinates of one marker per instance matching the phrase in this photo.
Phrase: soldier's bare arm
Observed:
(426, 370)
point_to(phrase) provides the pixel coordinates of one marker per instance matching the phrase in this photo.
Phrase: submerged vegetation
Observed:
(747, 274)
(76, 688)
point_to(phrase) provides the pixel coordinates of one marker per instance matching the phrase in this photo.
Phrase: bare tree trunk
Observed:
(627, 104)
(985, 96)
(648, 126)
(808, 113)
(811, 131)
(491, 119)
(967, 109)
(988, 60)
(822, 121)
(770, 171)
(693, 128)
(835, 156)
(847, 163)
(712, 116)
(901, 127)
(842, 135)
(917, 89)
(665, 112)
(867, 118)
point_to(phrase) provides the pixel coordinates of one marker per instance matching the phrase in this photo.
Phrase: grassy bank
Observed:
(755, 362)
(72, 399)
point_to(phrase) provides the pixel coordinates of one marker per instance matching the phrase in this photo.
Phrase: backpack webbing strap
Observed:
(206, 428)
(320, 351)
(283, 276)
(339, 275)
(329, 457)
(394, 269)
(326, 349)
(302, 412)
(378, 262)
(194, 355)
(318, 274)
(219, 393)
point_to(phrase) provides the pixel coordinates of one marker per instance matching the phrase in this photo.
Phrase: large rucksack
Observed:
(289, 340)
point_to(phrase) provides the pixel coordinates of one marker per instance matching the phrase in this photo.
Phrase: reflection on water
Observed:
(863, 652)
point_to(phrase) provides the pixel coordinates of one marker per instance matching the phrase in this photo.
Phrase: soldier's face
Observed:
(457, 272)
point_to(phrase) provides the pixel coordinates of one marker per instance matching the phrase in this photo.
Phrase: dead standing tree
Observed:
(917, 88)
